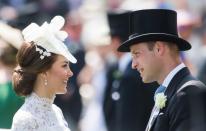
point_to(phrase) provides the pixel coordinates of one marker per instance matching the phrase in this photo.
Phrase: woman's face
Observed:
(58, 75)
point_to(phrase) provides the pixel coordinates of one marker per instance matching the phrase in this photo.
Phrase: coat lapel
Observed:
(176, 81)
(153, 117)
(174, 85)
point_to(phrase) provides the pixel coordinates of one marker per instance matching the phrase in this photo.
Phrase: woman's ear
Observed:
(44, 78)
(43, 74)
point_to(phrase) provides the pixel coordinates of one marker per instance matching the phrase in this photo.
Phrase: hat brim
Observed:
(181, 43)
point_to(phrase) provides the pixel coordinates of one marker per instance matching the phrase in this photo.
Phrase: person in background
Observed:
(128, 101)
(10, 40)
(19, 13)
(155, 48)
(187, 22)
(202, 70)
(42, 72)
(71, 102)
(92, 78)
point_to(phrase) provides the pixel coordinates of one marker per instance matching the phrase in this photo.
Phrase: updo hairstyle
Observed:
(29, 65)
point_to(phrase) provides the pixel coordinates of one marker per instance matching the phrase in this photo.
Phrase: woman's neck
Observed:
(42, 90)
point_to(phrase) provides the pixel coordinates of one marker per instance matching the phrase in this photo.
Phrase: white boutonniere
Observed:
(160, 100)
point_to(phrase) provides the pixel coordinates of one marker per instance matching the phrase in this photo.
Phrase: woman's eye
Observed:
(66, 65)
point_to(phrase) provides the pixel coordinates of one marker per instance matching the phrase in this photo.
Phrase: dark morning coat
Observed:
(132, 110)
(185, 110)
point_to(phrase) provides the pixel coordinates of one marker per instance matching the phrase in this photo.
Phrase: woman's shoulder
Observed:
(56, 109)
(22, 113)
(60, 117)
(23, 120)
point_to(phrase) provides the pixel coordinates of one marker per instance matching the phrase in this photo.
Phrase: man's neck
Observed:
(167, 68)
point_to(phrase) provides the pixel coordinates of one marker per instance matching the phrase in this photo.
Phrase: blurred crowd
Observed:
(104, 94)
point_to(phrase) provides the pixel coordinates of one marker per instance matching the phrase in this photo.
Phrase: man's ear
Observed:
(159, 47)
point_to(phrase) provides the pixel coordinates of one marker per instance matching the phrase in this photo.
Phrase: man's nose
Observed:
(134, 64)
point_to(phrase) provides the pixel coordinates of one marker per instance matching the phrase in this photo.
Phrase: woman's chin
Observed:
(63, 91)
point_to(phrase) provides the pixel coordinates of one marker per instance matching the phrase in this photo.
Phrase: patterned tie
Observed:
(160, 89)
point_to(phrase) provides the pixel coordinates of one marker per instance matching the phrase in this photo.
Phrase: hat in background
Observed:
(95, 32)
(138, 4)
(119, 24)
(11, 35)
(186, 18)
(153, 25)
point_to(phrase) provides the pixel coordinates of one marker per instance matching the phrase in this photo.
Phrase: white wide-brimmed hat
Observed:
(50, 37)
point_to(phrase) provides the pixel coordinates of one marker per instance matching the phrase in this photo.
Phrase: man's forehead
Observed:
(137, 46)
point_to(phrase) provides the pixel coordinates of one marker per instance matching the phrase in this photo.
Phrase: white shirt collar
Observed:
(172, 74)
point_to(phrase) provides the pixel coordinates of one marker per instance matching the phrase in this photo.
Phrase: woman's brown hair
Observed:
(29, 66)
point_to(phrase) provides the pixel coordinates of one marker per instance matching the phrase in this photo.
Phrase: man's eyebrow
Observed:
(133, 51)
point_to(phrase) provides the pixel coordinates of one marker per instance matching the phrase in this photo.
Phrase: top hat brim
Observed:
(181, 43)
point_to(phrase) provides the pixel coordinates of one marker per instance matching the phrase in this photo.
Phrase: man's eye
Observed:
(136, 54)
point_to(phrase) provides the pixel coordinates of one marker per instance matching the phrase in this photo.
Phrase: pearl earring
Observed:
(45, 82)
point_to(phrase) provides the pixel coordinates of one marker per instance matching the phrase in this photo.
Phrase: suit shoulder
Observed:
(192, 87)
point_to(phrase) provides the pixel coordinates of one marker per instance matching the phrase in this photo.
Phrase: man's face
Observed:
(145, 61)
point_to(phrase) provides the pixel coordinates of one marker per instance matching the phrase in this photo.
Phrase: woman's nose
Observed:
(69, 73)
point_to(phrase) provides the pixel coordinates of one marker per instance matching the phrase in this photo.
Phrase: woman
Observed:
(42, 72)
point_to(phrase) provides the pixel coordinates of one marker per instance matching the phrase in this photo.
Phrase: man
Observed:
(155, 46)
(128, 101)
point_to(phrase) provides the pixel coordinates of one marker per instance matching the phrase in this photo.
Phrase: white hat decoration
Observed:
(11, 35)
(50, 37)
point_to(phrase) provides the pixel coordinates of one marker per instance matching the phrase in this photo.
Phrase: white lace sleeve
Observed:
(60, 115)
(23, 121)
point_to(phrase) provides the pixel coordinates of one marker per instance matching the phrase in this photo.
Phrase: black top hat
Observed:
(119, 24)
(153, 25)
